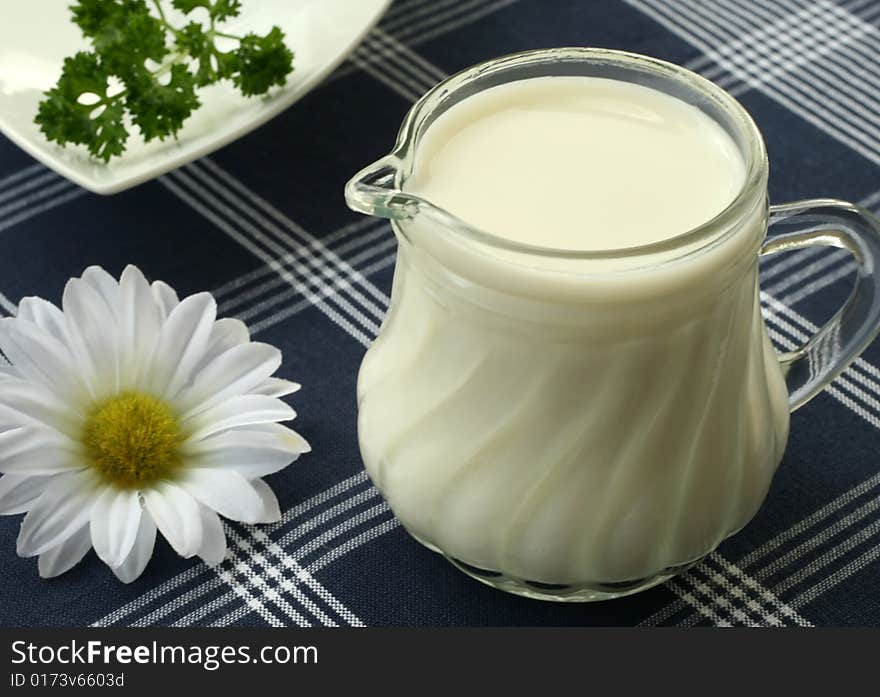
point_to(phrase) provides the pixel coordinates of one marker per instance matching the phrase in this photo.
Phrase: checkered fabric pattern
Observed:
(262, 224)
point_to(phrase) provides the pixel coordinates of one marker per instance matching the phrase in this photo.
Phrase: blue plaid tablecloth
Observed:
(262, 223)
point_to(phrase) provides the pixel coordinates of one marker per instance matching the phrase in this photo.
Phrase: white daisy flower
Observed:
(130, 411)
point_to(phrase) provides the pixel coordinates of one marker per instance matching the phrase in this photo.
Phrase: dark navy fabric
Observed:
(808, 73)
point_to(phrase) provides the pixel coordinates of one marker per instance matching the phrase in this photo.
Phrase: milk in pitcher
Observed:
(567, 420)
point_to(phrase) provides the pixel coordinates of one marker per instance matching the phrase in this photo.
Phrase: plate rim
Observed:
(174, 160)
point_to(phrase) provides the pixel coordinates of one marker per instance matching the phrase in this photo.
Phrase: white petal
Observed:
(139, 323)
(54, 562)
(226, 492)
(45, 315)
(40, 357)
(177, 516)
(251, 453)
(166, 298)
(233, 373)
(92, 336)
(225, 334)
(213, 549)
(182, 344)
(116, 516)
(34, 450)
(60, 511)
(105, 284)
(19, 492)
(239, 411)
(27, 403)
(271, 509)
(141, 551)
(276, 387)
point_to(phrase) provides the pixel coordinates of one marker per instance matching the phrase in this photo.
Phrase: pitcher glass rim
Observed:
(400, 204)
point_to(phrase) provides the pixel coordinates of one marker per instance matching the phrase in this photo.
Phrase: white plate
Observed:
(36, 36)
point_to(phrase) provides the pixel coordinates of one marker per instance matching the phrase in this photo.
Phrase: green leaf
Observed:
(187, 6)
(121, 28)
(218, 10)
(263, 61)
(193, 40)
(98, 125)
(160, 110)
(125, 36)
(224, 9)
(212, 65)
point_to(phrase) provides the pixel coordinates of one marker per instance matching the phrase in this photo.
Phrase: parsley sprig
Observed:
(157, 67)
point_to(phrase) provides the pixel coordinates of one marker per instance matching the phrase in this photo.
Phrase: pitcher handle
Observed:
(831, 223)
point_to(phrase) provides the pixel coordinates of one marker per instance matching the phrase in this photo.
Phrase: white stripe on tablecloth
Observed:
(871, 201)
(437, 24)
(770, 597)
(462, 14)
(291, 310)
(10, 179)
(823, 281)
(395, 19)
(775, 264)
(688, 598)
(35, 196)
(304, 281)
(255, 547)
(242, 565)
(42, 205)
(303, 549)
(828, 533)
(798, 51)
(827, 583)
(174, 183)
(353, 543)
(8, 305)
(301, 576)
(426, 74)
(181, 600)
(314, 544)
(811, 35)
(387, 74)
(322, 259)
(295, 557)
(735, 584)
(788, 90)
(410, 78)
(401, 6)
(720, 590)
(263, 271)
(401, 75)
(260, 290)
(801, 527)
(169, 587)
(341, 285)
(269, 581)
(27, 185)
(820, 266)
(815, 22)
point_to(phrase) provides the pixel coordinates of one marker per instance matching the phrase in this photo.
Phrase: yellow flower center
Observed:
(133, 439)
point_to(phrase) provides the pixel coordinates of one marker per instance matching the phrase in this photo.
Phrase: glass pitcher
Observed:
(573, 425)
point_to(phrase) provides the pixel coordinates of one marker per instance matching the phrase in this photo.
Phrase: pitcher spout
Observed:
(374, 191)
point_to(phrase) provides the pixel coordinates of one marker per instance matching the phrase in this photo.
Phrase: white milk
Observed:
(574, 421)
(578, 163)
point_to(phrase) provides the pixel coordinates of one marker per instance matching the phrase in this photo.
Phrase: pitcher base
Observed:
(561, 593)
